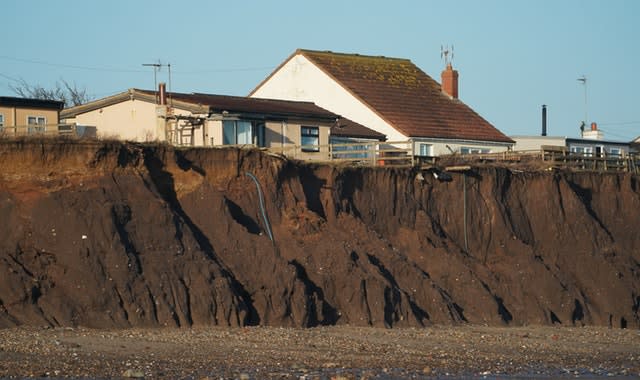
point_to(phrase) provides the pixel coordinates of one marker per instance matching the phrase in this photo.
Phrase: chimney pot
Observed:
(450, 81)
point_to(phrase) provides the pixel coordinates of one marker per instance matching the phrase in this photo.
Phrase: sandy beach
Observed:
(319, 353)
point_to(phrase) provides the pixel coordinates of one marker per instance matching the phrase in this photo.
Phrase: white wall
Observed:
(535, 142)
(300, 79)
(130, 120)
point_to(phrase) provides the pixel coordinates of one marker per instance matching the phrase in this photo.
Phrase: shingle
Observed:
(409, 99)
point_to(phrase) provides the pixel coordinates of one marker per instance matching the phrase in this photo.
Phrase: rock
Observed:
(133, 374)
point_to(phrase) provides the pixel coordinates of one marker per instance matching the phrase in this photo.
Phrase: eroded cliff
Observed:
(105, 234)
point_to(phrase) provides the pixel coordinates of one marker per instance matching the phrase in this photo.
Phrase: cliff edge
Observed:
(107, 234)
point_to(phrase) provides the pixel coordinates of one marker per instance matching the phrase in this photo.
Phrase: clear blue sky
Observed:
(512, 55)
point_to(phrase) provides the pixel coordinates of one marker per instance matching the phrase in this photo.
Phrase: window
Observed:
(1, 122)
(615, 152)
(581, 150)
(310, 139)
(356, 148)
(238, 132)
(36, 124)
(426, 150)
(470, 150)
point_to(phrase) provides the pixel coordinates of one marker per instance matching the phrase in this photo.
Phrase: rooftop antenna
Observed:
(156, 68)
(583, 80)
(446, 52)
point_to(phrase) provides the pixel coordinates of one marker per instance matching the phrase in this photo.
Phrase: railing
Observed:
(589, 161)
(52, 130)
(400, 153)
(366, 153)
(561, 157)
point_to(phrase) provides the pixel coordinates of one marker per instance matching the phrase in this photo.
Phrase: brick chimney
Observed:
(162, 94)
(450, 81)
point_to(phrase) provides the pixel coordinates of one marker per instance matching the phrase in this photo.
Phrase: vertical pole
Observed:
(544, 120)
(464, 206)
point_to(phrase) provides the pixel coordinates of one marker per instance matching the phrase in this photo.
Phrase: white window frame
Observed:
(425, 150)
(39, 126)
(474, 150)
(615, 152)
(584, 150)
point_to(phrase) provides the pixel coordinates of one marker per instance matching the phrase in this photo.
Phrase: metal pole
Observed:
(583, 79)
(464, 206)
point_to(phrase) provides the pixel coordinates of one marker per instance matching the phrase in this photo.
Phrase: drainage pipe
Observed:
(265, 220)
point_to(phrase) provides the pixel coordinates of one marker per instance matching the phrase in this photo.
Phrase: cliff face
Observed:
(119, 235)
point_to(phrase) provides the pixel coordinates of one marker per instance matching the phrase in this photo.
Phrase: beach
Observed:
(320, 353)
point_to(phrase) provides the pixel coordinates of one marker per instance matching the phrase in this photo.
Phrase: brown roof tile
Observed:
(401, 93)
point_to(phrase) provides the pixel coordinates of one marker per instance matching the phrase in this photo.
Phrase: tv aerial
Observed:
(157, 66)
(446, 52)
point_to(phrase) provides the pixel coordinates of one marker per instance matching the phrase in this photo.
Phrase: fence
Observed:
(401, 153)
(52, 130)
(366, 153)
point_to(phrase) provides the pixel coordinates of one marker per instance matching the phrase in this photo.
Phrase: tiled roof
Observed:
(406, 97)
(349, 128)
(240, 104)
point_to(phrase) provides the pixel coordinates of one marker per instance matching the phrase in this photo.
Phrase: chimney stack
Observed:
(450, 81)
(162, 93)
(593, 134)
(544, 120)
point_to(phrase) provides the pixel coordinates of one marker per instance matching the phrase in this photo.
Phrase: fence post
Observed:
(373, 154)
(413, 152)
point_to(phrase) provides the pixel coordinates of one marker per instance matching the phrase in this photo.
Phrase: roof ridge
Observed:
(355, 55)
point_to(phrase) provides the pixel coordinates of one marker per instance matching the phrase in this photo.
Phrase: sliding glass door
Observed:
(241, 132)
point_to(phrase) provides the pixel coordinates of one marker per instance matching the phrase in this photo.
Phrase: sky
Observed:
(513, 56)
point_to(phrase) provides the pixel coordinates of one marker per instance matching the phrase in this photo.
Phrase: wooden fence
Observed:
(401, 154)
(390, 153)
(366, 153)
(52, 130)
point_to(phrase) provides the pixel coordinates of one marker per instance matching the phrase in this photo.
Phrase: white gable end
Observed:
(300, 79)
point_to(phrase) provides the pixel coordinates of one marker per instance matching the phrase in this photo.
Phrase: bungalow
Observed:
(591, 144)
(24, 116)
(635, 145)
(299, 129)
(389, 95)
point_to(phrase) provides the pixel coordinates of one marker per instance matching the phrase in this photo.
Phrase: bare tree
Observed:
(63, 91)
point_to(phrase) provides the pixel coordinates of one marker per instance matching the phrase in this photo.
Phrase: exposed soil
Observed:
(115, 235)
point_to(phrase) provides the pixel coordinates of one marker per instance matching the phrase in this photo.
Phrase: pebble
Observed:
(130, 373)
(342, 352)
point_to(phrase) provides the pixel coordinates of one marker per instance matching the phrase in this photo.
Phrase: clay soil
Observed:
(320, 353)
(138, 260)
